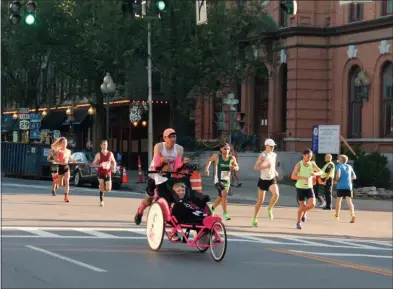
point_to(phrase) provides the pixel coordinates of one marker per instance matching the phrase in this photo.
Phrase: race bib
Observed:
(106, 165)
(225, 175)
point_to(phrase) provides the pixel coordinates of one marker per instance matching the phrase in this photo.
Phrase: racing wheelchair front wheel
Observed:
(218, 241)
(155, 228)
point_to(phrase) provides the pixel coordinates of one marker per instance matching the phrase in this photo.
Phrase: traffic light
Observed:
(30, 16)
(160, 7)
(220, 120)
(15, 12)
(289, 6)
(241, 120)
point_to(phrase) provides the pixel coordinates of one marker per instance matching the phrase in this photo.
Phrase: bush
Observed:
(372, 170)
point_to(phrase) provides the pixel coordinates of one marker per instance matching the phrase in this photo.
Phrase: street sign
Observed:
(201, 12)
(24, 124)
(35, 134)
(315, 131)
(329, 139)
(24, 116)
(345, 2)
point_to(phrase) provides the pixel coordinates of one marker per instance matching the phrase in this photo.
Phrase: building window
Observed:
(283, 16)
(387, 7)
(355, 12)
(355, 104)
(387, 99)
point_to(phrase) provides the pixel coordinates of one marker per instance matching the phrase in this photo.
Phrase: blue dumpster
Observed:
(22, 160)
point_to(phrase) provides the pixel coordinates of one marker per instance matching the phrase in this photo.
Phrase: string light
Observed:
(87, 105)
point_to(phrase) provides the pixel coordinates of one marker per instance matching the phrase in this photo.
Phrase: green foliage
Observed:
(371, 169)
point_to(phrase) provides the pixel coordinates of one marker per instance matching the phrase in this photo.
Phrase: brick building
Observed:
(336, 68)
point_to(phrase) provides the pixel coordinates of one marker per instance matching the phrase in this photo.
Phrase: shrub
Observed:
(372, 170)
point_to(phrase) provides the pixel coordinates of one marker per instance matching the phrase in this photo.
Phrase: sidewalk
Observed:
(248, 194)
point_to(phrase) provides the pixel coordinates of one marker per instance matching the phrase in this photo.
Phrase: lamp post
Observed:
(108, 87)
(230, 101)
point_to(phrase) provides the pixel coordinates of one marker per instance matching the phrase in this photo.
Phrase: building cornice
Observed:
(350, 28)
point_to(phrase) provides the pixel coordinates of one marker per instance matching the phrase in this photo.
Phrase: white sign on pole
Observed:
(329, 139)
(201, 12)
(24, 124)
(24, 116)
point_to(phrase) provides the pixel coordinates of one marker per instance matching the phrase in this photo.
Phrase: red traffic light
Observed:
(31, 7)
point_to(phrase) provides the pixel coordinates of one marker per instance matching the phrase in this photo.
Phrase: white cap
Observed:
(270, 142)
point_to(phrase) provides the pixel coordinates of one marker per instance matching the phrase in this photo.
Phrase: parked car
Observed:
(82, 172)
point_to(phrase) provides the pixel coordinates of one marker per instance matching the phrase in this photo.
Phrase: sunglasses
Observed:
(172, 136)
(226, 148)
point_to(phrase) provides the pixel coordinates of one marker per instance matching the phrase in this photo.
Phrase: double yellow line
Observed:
(336, 262)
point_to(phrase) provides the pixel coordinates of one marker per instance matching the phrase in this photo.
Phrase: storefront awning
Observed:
(53, 120)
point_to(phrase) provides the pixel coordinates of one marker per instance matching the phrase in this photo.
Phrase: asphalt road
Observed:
(47, 243)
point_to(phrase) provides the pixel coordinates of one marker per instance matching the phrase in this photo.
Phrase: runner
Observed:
(303, 174)
(266, 163)
(106, 164)
(327, 179)
(166, 155)
(344, 177)
(54, 170)
(224, 164)
(62, 158)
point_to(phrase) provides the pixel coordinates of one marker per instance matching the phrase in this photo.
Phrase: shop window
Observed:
(355, 104)
(283, 17)
(356, 12)
(387, 99)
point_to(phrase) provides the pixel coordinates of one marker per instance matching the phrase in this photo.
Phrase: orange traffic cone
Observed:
(140, 180)
(196, 181)
(125, 177)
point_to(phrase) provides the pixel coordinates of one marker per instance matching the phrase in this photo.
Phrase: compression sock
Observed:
(101, 196)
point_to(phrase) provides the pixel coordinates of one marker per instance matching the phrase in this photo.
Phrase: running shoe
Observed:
(254, 221)
(138, 218)
(226, 217)
(353, 219)
(102, 203)
(270, 213)
(298, 226)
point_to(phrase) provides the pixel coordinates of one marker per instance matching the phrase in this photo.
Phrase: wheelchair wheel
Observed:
(218, 246)
(203, 240)
(155, 228)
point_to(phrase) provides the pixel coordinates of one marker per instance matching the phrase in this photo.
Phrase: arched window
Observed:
(387, 99)
(355, 105)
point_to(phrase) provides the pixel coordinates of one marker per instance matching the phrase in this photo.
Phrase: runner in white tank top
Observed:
(266, 163)
(166, 152)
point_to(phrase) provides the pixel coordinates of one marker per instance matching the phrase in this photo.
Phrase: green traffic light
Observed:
(161, 5)
(29, 19)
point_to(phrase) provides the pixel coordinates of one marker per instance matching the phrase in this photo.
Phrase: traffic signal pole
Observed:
(150, 95)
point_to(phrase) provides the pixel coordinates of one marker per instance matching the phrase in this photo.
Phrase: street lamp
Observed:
(108, 88)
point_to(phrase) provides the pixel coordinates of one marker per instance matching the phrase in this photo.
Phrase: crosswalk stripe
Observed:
(97, 234)
(353, 244)
(40, 233)
(296, 240)
(344, 254)
(257, 239)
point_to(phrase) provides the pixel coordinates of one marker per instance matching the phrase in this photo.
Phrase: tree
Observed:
(203, 59)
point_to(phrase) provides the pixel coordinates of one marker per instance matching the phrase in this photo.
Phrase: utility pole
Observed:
(150, 95)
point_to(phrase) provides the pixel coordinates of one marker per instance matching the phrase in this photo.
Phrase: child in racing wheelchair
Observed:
(187, 208)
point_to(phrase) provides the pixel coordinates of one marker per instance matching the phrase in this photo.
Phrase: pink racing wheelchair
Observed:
(171, 217)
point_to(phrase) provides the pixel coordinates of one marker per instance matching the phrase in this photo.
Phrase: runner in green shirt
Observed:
(224, 165)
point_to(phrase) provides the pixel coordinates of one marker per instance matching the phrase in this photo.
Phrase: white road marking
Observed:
(66, 259)
(97, 234)
(256, 239)
(303, 241)
(40, 233)
(344, 254)
(353, 244)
